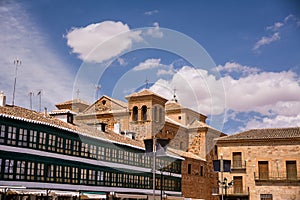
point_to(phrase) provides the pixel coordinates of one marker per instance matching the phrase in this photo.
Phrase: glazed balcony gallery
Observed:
(41, 152)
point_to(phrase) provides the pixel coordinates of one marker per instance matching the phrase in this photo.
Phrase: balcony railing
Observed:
(276, 176)
(238, 166)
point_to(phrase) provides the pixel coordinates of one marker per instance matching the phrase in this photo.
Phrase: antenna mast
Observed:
(40, 99)
(30, 98)
(16, 63)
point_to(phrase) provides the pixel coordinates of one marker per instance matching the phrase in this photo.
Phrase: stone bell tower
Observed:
(147, 113)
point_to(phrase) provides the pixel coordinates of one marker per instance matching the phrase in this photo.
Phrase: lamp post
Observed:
(222, 170)
(161, 180)
(223, 166)
(161, 183)
(154, 165)
(154, 146)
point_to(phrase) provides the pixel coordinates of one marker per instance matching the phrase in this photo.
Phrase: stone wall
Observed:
(276, 153)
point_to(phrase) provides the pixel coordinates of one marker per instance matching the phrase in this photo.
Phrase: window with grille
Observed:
(2, 134)
(266, 197)
(32, 138)
(22, 137)
(20, 170)
(51, 142)
(12, 135)
(9, 169)
(30, 170)
(42, 140)
(40, 171)
(68, 146)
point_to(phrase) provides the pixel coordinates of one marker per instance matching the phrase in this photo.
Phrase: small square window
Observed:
(266, 197)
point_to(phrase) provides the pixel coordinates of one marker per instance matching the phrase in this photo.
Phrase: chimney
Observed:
(2, 99)
(45, 112)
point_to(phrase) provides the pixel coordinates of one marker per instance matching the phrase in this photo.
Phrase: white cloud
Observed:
(266, 40)
(121, 61)
(41, 68)
(275, 27)
(153, 63)
(155, 31)
(151, 12)
(169, 71)
(280, 121)
(195, 89)
(101, 41)
(236, 67)
(289, 17)
(148, 64)
(263, 92)
(271, 94)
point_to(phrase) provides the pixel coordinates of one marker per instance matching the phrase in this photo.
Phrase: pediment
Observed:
(106, 105)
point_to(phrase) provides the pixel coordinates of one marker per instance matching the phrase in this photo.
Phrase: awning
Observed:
(175, 198)
(92, 196)
(130, 196)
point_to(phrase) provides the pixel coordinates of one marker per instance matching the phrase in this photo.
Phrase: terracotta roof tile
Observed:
(144, 92)
(264, 134)
(73, 101)
(31, 116)
(185, 154)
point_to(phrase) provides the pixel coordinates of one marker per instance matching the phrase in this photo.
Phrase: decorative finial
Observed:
(174, 96)
(147, 83)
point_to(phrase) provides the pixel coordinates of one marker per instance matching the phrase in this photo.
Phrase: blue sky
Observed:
(238, 62)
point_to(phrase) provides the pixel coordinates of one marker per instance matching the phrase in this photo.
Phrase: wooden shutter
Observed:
(237, 159)
(238, 184)
(291, 170)
(263, 170)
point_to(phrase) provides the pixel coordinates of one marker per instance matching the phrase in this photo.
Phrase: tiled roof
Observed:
(61, 111)
(185, 154)
(121, 103)
(264, 134)
(19, 113)
(171, 105)
(144, 92)
(198, 124)
(73, 101)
